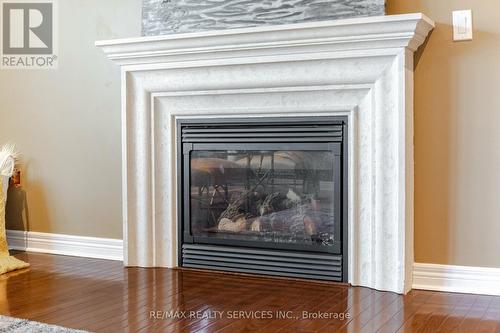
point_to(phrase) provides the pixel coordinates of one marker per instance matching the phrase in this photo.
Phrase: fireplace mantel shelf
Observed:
(359, 68)
(367, 33)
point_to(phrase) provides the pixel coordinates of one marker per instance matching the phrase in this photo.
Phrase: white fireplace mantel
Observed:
(361, 68)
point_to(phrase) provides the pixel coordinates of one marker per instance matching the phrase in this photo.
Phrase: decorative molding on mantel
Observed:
(359, 68)
(367, 33)
(458, 279)
(69, 245)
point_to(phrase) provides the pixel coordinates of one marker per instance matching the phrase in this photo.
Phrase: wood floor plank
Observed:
(439, 315)
(360, 320)
(456, 316)
(474, 317)
(378, 321)
(103, 296)
(356, 308)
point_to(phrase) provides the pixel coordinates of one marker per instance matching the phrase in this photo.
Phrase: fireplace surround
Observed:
(361, 69)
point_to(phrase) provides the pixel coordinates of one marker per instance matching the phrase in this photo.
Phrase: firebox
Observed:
(264, 195)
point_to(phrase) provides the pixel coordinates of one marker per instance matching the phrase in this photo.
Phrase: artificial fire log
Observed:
(226, 224)
(309, 226)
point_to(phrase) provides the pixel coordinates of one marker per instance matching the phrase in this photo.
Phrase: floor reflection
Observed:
(103, 296)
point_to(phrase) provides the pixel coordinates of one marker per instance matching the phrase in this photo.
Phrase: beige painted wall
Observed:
(457, 139)
(66, 123)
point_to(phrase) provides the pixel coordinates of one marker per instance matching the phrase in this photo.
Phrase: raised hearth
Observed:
(361, 69)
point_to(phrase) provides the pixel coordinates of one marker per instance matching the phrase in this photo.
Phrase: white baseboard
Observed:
(459, 279)
(78, 246)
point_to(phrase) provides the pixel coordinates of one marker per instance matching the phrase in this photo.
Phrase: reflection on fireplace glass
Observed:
(267, 196)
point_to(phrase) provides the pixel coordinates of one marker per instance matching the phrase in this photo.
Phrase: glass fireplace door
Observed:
(267, 195)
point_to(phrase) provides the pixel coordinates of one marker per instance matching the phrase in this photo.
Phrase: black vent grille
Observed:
(267, 262)
(327, 132)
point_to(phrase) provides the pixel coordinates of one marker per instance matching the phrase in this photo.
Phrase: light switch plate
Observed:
(462, 25)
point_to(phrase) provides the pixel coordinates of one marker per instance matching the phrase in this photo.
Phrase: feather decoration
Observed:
(9, 156)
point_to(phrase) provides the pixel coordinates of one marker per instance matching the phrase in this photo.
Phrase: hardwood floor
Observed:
(102, 296)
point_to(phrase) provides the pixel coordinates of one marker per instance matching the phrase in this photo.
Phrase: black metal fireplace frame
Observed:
(340, 150)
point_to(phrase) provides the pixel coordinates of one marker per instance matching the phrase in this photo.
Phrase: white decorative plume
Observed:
(9, 156)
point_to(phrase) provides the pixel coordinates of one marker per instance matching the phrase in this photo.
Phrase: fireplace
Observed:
(360, 69)
(264, 195)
